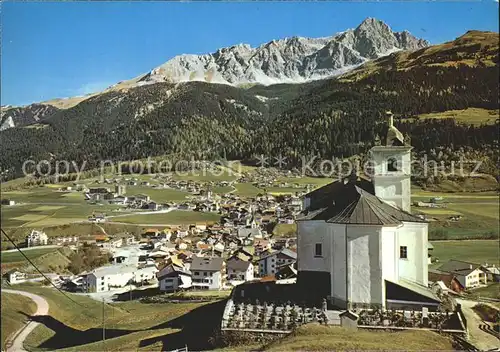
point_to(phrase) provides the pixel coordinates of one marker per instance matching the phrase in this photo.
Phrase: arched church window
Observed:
(393, 165)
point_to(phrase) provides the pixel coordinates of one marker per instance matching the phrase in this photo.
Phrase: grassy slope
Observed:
(488, 210)
(133, 319)
(175, 217)
(479, 251)
(474, 116)
(12, 257)
(433, 56)
(55, 261)
(490, 291)
(13, 307)
(314, 337)
(205, 176)
(247, 190)
(158, 195)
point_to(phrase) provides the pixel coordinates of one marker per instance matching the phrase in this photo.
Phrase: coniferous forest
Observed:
(339, 117)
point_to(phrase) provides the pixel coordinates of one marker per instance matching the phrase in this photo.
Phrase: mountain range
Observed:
(334, 116)
(289, 60)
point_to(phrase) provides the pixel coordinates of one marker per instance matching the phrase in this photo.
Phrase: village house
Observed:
(108, 277)
(492, 272)
(286, 274)
(173, 277)
(261, 245)
(239, 270)
(152, 206)
(468, 274)
(120, 200)
(207, 272)
(64, 240)
(15, 277)
(8, 202)
(124, 257)
(182, 232)
(359, 245)
(36, 238)
(109, 244)
(269, 263)
(444, 281)
(98, 190)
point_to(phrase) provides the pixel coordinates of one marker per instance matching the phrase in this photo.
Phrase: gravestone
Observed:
(425, 317)
(407, 316)
(349, 319)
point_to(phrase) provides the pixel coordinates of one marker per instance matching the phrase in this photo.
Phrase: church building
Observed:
(359, 245)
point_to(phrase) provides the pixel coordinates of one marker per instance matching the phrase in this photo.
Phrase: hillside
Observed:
(321, 338)
(335, 117)
(473, 49)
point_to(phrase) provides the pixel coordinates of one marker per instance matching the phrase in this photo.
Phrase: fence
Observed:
(184, 349)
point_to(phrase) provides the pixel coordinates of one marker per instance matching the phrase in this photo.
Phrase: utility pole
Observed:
(103, 328)
(130, 289)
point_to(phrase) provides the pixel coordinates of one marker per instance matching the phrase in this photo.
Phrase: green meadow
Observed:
(175, 217)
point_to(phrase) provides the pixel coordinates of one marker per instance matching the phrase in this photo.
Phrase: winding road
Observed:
(15, 342)
(477, 336)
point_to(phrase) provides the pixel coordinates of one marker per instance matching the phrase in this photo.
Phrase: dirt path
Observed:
(15, 342)
(478, 337)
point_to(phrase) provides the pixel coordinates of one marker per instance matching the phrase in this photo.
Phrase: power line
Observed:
(57, 288)
(29, 261)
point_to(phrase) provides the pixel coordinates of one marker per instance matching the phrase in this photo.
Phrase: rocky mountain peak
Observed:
(288, 60)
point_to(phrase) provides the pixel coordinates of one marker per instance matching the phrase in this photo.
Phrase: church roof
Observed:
(353, 205)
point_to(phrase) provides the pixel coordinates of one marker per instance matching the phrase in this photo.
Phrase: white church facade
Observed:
(359, 245)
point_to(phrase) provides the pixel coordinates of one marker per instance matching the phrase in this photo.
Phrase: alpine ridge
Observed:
(289, 60)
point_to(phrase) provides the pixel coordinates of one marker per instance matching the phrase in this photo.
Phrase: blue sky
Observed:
(52, 50)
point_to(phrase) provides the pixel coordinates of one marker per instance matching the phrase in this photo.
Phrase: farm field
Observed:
(283, 190)
(474, 251)
(158, 194)
(438, 211)
(37, 215)
(247, 190)
(175, 217)
(15, 309)
(15, 256)
(206, 176)
(44, 194)
(479, 219)
(491, 291)
(223, 190)
(483, 209)
(471, 195)
(316, 181)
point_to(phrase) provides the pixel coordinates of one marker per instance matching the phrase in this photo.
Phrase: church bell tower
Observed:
(392, 168)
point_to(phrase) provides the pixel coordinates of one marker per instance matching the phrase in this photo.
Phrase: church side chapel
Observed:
(358, 243)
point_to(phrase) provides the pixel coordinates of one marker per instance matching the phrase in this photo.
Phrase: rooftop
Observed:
(113, 270)
(351, 204)
(238, 265)
(458, 267)
(207, 263)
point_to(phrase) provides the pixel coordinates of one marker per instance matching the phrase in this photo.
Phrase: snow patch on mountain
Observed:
(8, 123)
